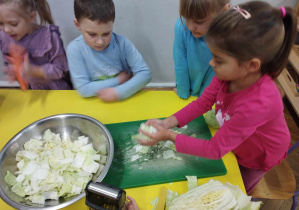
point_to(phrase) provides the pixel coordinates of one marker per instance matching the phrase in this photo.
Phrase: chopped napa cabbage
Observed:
(154, 202)
(170, 144)
(192, 182)
(39, 199)
(51, 167)
(134, 157)
(171, 195)
(103, 159)
(141, 136)
(10, 179)
(141, 149)
(168, 154)
(210, 119)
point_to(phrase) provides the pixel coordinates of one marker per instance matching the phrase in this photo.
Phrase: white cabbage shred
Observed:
(51, 167)
(192, 182)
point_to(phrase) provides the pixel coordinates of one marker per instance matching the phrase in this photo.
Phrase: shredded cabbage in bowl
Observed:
(53, 167)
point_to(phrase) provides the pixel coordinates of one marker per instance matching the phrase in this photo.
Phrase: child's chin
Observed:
(15, 37)
(99, 48)
(197, 35)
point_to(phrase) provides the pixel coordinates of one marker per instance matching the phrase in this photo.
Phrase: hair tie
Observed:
(243, 12)
(283, 11)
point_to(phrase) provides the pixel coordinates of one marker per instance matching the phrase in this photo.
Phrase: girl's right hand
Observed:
(123, 77)
(162, 134)
(168, 123)
(155, 121)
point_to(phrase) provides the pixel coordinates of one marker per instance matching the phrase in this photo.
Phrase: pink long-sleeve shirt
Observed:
(252, 124)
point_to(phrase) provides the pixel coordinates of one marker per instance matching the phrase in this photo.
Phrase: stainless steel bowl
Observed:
(67, 125)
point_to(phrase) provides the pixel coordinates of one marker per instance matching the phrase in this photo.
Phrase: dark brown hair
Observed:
(101, 10)
(266, 35)
(40, 6)
(201, 9)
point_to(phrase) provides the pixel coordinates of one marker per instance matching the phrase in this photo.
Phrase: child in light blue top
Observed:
(101, 62)
(191, 55)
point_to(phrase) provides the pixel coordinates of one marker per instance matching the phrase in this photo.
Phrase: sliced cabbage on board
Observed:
(53, 167)
(210, 196)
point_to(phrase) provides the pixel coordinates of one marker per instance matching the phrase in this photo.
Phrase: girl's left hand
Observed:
(108, 94)
(31, 71)
(162, 134)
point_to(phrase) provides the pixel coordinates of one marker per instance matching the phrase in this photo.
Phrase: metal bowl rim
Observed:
(78, 197)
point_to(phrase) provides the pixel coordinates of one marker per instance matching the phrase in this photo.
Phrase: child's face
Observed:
(226, 67)
(198, 27)
(97, 35)
(12, 23)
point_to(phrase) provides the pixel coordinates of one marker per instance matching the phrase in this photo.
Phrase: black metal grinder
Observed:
(101, 196)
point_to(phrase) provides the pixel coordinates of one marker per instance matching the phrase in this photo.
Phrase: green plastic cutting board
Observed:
(154, 169)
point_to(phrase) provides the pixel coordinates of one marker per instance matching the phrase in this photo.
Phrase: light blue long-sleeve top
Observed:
(93, 70)
(191, 62)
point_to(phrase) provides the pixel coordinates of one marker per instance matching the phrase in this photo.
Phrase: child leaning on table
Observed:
(250, 44)
(191, 55)
(44, 65)
(101, 62)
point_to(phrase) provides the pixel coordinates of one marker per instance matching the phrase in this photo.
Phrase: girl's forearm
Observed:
(36, 72)
(171, 122)
(172, 135)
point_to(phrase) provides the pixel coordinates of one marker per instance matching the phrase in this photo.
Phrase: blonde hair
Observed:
(40, 6)
(266, 35)
(201, 9)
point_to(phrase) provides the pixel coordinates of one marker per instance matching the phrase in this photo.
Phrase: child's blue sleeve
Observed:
(142, 74)
(80, 75)
(180, 60)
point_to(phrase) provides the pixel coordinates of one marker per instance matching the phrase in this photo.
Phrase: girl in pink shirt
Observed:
(250, 44)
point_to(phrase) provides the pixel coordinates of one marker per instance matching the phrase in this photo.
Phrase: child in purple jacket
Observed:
(44, 64)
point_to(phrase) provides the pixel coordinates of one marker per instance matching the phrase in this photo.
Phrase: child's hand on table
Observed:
(108, 94)
(130, 204)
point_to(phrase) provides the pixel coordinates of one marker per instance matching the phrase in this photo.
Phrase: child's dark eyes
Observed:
(199, 22)
(92, 35)
(106, 34)
(14, 24)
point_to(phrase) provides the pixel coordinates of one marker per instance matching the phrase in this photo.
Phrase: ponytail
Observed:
(43, 9)
(290, 30)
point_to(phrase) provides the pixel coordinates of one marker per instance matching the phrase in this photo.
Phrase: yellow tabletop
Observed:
(19, 109)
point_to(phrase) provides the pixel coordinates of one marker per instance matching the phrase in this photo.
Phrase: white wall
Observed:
(149, 24)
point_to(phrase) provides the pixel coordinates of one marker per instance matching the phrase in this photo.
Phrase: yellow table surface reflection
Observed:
(19, 109)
